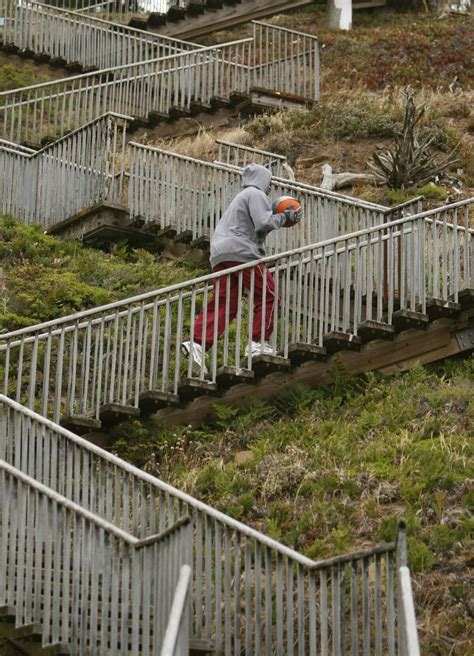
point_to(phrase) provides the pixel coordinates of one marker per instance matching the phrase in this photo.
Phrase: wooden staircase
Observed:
(446, 330)
(83, 570)
(200, 18)
(377, 299)
(27, 640)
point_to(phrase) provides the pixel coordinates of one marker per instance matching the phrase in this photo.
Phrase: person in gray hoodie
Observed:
(239, 237)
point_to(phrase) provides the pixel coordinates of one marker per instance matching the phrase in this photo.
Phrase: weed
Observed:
(432, 192)
(15, 77)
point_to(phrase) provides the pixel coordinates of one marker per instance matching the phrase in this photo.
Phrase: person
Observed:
(239, 237)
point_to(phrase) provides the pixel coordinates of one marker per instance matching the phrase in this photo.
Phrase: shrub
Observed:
(410, 161)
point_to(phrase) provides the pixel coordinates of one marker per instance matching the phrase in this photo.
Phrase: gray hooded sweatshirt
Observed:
(242, 229)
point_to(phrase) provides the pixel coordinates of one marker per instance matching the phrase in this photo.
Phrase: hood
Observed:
(255, 175)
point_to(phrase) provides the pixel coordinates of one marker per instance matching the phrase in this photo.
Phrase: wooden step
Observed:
(466, 298)
(184, 237)
(407, 319)
(156, 20)
(228, 376)
(175, 113)
(220, 15)
(138, 23)
(219, 103)
(203, 243)
(196, 8)
(80, 425)
(370, 330)
(30, 632)
(176, 14)
(436, 308)
(116, 413)
(197, 107)
(157, 117)
(168, 232)
(7, 614)
(439, 341)
(154, 400)
(335, 341)
(263, 365)
(191, 388)
(299, 352)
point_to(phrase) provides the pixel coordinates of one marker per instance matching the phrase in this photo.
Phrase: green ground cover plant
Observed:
(42, 278)
(332, 469)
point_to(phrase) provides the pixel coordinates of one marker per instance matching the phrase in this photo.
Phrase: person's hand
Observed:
(294, 215)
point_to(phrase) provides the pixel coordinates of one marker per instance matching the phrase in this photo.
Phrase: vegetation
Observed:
(14, 77)
(332, 469)
(410, 160)
(363, 74)
(42, 278)
(322, 470)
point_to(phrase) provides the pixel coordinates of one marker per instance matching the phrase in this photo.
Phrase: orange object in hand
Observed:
(283, 203)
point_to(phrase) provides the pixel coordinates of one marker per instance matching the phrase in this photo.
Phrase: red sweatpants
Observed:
(262, 277)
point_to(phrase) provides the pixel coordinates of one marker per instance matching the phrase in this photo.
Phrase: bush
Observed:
(432, 192)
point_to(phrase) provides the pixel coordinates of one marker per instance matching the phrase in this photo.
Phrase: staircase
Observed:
(163, 89)
(223, 15)
(79, 42)
(96, 556)
(98, 367)
(175, 17)
(92, 551)
(94, 186)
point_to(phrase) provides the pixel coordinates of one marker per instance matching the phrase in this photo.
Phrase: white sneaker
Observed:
(196, 356)
(257, 348)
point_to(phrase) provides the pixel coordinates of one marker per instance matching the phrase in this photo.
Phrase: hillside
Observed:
(363, 73)
(322, 470)
(332, 469)
(329, 469)
(42, 278)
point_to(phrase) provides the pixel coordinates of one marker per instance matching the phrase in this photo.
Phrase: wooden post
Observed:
(340, 14)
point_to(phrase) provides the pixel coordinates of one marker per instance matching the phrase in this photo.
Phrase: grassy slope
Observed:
(42, 278)
(362, 74)
(330, 470)
(323, 470)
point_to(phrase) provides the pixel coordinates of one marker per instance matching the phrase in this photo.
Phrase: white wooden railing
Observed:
(116, 353)
(150, 89)
(167, 190)
(76, 172)
(87, 583)
(80, 38)
(239, 155)
(248, 592)
(53, 108)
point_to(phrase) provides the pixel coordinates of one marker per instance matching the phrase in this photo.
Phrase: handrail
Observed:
(251, 150)
(76, 171)
(87, 514)
(177, 612)
(326, 193)
(241, 267)
(407, 629)
(32, 153)
(410, 644)
(119, 27)
(280, 28)
(80, 578)
(246, 587)
(169, 489)
(124, 67)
